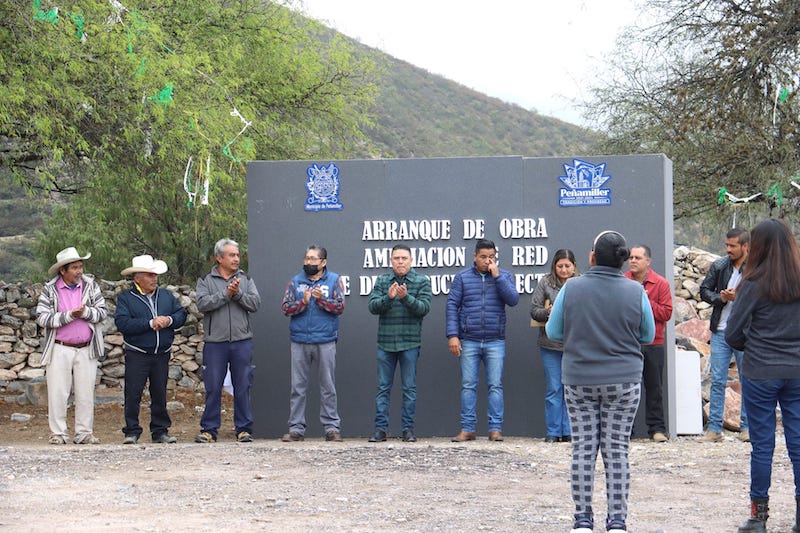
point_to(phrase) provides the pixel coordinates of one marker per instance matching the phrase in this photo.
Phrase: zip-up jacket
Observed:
(476, 305)
(716, 280)
(133, 316)
(226, 318)
(50, 318)
(317, 321)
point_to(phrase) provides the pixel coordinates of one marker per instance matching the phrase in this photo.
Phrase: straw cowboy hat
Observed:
(145, 263)
(65, 257)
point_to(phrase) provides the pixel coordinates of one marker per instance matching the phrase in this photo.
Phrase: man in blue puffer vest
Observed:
(313, 300)
(476, 331)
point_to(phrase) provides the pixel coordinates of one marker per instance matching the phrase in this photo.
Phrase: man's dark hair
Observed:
(648, 253)
(484, 244)
(322, 252)
(739, 233)
(401, 247)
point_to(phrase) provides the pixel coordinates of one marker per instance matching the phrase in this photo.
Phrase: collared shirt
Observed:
(78, 331)
(400, 320)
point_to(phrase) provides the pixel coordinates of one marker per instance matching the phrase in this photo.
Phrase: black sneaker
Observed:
(584, 524)
(408, 435)
(616, 525)
(333, 436)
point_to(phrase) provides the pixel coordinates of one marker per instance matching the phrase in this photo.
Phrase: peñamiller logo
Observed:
(323, 188)
(584, 183)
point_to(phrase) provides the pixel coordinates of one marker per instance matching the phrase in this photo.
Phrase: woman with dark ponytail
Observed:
(603, 318)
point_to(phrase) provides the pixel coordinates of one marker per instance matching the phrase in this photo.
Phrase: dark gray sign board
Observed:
(358, 210)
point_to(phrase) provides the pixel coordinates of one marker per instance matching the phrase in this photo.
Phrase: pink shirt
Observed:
(78, 331)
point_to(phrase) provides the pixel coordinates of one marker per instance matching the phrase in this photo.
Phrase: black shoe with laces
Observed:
(408, 435)
(378, 436)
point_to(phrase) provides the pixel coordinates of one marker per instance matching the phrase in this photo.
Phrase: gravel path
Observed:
(432, 485)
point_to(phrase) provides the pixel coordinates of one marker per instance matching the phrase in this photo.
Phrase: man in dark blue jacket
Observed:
(313, 300)
(147, 317)
(476, 331)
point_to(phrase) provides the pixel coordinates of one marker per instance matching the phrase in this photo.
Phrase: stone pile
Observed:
(21, 340)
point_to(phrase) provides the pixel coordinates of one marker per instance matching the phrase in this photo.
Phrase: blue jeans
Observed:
(217, 356)
(720, 361)
(556, 419)
(761, 397)
(492, 353)
(387, 361)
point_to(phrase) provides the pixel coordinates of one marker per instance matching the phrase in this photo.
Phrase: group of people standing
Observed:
(602, 340)
(401, 298)
(71, 309)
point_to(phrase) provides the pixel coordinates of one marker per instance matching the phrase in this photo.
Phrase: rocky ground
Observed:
(432, 485)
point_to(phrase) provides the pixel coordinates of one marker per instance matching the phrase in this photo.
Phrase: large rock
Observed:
(36, 391)
(695, 328)
(682, 310)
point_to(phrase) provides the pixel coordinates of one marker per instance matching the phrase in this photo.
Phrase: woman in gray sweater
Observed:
(602, 317)
(765, 324)
(556, 419)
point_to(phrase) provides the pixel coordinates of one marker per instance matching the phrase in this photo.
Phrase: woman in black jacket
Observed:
(765, 323)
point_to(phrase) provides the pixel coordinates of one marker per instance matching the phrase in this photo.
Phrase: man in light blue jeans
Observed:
(719, 289)
(476, 331)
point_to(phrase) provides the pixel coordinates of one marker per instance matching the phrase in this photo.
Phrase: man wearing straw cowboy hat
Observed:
(147, 317)
(70, 309)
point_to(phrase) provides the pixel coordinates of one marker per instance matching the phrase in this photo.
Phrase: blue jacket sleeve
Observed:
(647, 326)
(454, 306)
(555, 324)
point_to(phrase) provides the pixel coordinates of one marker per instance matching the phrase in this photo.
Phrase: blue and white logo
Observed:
(584, 183)
(323, 188)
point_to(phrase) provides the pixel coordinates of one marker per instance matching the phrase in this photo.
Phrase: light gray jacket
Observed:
(226, 319)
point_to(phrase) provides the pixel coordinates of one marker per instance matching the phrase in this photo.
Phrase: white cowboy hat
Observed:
(65, 257)
(145, 263)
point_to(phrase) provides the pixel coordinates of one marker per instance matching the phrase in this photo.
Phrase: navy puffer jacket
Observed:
(476, 305)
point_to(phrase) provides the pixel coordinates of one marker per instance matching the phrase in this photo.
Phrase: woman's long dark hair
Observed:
(773, 262)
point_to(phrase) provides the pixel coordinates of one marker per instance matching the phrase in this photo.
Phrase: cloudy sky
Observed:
(539, 54)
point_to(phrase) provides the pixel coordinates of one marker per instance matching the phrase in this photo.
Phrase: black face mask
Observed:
(310, 270)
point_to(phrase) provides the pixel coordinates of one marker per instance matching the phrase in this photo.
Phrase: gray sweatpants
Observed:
(304, 356)
(601, 417)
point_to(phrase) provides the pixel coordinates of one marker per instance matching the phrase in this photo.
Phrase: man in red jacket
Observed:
(658, 292)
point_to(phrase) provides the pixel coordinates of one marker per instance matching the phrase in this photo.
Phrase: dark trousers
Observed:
(217, 358)
(653, 381)
(140, 367)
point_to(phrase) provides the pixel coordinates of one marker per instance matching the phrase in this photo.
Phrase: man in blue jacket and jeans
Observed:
(476, 331)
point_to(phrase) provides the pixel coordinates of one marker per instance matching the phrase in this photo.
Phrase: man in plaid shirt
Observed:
(401, 299)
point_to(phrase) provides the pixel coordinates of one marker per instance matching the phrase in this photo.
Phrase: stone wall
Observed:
(21, 341)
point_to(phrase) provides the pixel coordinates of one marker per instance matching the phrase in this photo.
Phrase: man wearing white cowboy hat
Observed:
(147, 317)
(70, 309)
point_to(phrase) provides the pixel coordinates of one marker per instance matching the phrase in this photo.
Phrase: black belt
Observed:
(74, 345)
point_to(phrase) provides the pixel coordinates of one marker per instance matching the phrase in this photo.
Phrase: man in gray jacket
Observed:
(226, 296)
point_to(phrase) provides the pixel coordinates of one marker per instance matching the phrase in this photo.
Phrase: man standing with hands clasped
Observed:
(313, 300)
(476, 331)
(401, 299)
(70, 309)
(226, 296)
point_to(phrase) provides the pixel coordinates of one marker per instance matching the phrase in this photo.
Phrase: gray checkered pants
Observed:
(601, 417)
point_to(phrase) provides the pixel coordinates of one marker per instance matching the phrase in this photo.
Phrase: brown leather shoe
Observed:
(496, 436)
(464, 436)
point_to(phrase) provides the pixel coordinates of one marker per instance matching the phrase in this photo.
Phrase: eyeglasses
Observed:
(312, 259)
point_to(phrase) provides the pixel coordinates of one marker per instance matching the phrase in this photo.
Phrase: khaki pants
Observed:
(71, 369)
